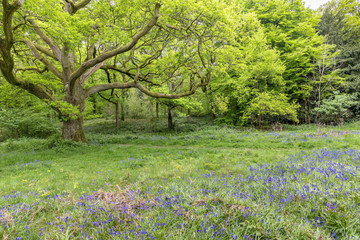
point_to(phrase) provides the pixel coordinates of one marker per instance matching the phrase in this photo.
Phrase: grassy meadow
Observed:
(201, 181)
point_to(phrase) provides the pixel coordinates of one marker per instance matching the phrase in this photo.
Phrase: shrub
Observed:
(269, 108)
(335, 110)
(24, 123)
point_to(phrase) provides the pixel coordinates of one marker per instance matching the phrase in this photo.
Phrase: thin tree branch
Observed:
(45, 51)
(129, 74)
(47, 40)
(164, 95)
(45, 61)
(107, 99)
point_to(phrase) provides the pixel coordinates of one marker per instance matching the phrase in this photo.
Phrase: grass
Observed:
(201, 182)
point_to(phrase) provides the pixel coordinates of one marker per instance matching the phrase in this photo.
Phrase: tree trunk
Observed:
(117, 106)
(122, 102)
(212, 114)
(170, 120)
(74, 130)
(151, 109)
(73, 125)
(157, 110)
(189, 115)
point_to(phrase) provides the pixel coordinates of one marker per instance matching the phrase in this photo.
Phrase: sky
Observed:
(314, 4)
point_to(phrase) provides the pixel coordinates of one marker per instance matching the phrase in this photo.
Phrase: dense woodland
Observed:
(244, 62)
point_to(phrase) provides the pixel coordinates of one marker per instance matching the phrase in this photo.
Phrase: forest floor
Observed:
(202, 181)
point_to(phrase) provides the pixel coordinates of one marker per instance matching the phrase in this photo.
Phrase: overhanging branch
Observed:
(142, 88)
(103, 87)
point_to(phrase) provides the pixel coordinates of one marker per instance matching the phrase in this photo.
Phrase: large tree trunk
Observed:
(73, 125)
(74, 130)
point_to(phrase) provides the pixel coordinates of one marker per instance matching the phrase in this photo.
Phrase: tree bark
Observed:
(122, 109)
(73, 125)
(117, 121)
(157, 110)
(74, 130)
(170, 120)
(151, 109)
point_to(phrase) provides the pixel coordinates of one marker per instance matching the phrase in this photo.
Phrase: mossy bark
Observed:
(73, 125)
(74, 130)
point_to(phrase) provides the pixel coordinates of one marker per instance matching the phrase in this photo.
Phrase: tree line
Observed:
(245, 62)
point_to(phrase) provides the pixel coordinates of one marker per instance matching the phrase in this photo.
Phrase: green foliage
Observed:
(256, 71)
(291, 29)
(15, 123)
(336, 109)
(136, 106)
(13, 97)
(269, 108)
(68, 111)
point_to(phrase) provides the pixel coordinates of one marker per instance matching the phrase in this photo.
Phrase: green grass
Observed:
(55, 179)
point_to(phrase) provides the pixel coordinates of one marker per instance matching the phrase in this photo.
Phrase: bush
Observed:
(335, 110)
(24, 123)
(270, 108)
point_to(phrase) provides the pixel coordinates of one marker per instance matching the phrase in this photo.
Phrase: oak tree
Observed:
(51, 48)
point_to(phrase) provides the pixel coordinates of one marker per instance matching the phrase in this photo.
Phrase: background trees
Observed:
(340, 27)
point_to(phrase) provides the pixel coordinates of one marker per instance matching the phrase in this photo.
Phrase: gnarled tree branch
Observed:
(7, 64)
(72, 8)
(9, 10)
(32, 69)
(103, 87)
